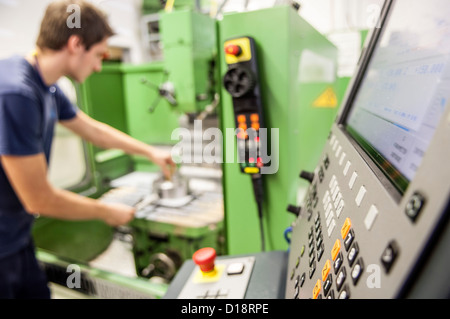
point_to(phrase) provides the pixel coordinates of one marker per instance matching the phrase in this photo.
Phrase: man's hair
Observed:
(57, 25)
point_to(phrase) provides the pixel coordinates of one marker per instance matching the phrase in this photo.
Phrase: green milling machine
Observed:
(300, 95)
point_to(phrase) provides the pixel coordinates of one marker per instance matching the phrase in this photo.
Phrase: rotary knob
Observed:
(239, 81)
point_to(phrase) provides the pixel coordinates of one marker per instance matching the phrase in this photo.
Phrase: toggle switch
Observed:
(307, 176)
(294, 210)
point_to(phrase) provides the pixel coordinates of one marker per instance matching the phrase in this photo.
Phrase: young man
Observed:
(30, 105)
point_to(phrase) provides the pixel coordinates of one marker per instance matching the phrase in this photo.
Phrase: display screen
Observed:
(405, 89)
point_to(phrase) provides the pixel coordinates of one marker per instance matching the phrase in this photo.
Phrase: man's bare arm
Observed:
(28, 177)
(107, 137)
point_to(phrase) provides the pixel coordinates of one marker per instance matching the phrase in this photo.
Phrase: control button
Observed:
(338, 263)
(302, 251)
(241, 119)
(297, 280)
(321, 174)
(307, 176)
(302, 280)
(233, 49)
(340, 208)
(297, 292)
(331, 295)
(335, 145)
(311, 232)
(370, 217)
(329, 219)
(326, 162)
(346, 168)
(389, 256)
(317, 219)
(353, 253)
(338, 151)
(415, 206)
(317, 289)
(312, 270)
(340, 278)
(327, 283)
(333, 182)
(294, 210)
(341, 160)
(254, 117)
(204, 258)
(362, 192)
(328, 210)
(311, 260)
(319, 235)
(331, 228)
(320, 251)
(336, 249)
(319, 243)
(297, 263)
(326, 270)
(345, 293)
(346, 228)
(357, 271)
(349, 239)
(235, 269)
(352, 181)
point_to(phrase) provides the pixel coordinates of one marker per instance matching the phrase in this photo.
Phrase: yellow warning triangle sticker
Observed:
(327, 99)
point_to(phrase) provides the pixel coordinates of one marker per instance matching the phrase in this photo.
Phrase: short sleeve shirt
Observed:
(29, 110)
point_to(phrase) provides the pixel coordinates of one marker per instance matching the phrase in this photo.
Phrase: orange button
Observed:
(254, 117)
(346, 228)
(316, 289)
(326, 270)
(336, 249)
(255, 126)
(241, 119)
(243, 126)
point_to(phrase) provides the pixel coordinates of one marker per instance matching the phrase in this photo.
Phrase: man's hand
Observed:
(164, 160)
(118, 214)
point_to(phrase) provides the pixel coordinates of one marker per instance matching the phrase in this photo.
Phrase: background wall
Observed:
(339, 20)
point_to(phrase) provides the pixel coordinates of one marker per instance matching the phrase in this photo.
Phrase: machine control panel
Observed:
(241, 81)
(226, 279)
(379, 197)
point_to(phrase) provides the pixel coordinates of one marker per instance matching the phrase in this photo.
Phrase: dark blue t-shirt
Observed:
(29, 110)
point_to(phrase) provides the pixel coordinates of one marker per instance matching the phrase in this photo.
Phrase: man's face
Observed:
(85, 62)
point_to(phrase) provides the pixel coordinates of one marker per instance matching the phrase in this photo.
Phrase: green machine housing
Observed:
(297, 71)
(300, 98)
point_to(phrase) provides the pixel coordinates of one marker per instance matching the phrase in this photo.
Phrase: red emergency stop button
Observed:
(233, 49)
(205, 259)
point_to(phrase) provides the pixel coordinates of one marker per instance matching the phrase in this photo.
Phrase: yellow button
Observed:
(251, 170)
(346, 228)
(336, 249)
(326, 270)
(316, 289)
